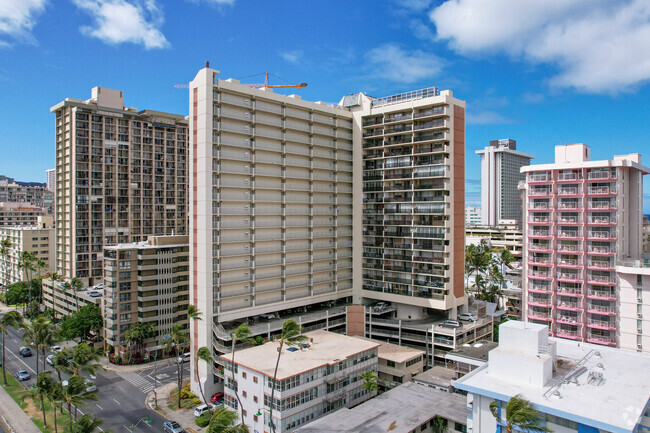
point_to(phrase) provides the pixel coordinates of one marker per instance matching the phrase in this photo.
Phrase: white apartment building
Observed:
(317, 378)
(37, 238)
(272, 207)
(634, 304)
(51, 179)
(14, 214)
(472, 215)
(121, 176)
(575, 387)
(500, 174)
(27, 194)
(581, 217)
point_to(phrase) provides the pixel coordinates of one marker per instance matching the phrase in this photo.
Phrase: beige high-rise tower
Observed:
(121, 176)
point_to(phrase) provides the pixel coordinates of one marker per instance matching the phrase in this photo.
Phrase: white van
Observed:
(185, 357)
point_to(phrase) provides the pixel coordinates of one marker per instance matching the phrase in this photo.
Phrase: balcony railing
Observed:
(601, 190)
(600, 278)
(538, 178)
(568, 276)
(568, 234)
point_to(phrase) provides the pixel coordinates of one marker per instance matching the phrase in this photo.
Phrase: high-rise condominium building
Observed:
(410, 200)
(145, 282)
(28, 194)
(19, 214)
(51, 179)
(121, 176)
(580, 217)
(500, 174)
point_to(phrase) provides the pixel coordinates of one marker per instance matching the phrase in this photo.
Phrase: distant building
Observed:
(51, 179)
(408, 408)
(37, 238)
(65, 302)
(25, 193)
(145, 282)
(574, 386)
(320, 377)
(507, 234)
(14, 214)
(500, 175)
(472, 215)
(397, 364)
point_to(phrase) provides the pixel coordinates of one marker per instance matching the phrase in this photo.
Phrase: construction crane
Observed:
(265, 84)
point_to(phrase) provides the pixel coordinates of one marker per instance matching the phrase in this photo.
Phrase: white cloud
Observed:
(393, 63)
(119, 21)
(414, 5)
(216, 2)
(17, 18)
(486, 117)
(294, 56)
(598, 46)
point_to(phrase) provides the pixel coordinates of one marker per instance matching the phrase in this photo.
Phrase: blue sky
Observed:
(541, 72)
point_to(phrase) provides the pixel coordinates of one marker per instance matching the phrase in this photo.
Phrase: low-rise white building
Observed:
(312, 380)
(575, 386)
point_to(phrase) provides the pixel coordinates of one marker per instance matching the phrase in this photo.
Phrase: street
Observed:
(121, 395)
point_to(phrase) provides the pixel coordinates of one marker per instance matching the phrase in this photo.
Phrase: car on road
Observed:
(50, 359)
(204, 408)
(217, 397)
(450, 324)
(23, 375)
(185, 357)
(25, 352)
(56, 348)
(90, 386)
(468, 317)
(172, 427)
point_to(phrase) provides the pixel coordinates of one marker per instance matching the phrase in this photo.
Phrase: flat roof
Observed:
(327, 348)
(437, 375)
(393, 352)
(472, 351)
(615, 404)
(400, 410)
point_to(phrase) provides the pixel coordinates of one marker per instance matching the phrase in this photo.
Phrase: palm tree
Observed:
(40, 390)
(439, 424)
(225, 421)
(289, 336)
(242, 333)
(202, 354)
(41, 334)
(26, 264)
(41, 266)
(11, 319)
(55, 396)
(74, 394)
(194, 313)
(137, 333)
(76, 285)
(60, 362)
(5, 247)
(177, 340)
(369, 381)
(519, 413)
(86, 424)
(505, 259)
(85, 358)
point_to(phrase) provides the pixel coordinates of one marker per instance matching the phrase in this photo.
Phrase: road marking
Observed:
(100, 429)
(21, 361)
(117, 402)
(127, 429)
(100, 408)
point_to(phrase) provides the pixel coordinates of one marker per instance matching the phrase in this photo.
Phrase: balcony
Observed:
(567, 333)
(601, 324)
(601, 220)
(541, 261)
(568, 176)
(539, 219)
(602, 294)
(539, 315)
(540, 288)
(600, 264)
(569, 276)
(562, 219)
(540, 192)
(540, 233)
(571, 248)
(533, 178)
(539, 301)
(570, 263)
(601, 175)
(600, 234)
(540, 275)
(569, 291)
(569, 234)
(601, 279)
(601, 309)
(540, 247)
(569, 191)
(569, 305)
(600, 339)
(602, 190)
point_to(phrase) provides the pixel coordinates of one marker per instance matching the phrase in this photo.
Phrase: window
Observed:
(639, 280)
(254, 418)
(243, 393)
(459, 427)
(390, 363)
(254, 399)
(254, 379)
(243, 374)
(244, 412)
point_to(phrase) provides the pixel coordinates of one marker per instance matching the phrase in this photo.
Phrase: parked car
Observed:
(185, 357)
(204, 408)
(23, 375)
(90, 386)
(99, 286)
(450, 324)
(380, 306)
(25, 352)
(93, 294)
(267, 316)
(50, 359)
(56, 349)
(172, 427)
(216, 397)
(468, 317)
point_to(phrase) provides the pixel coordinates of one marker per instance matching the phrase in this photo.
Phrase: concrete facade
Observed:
(121, 175)
(14, 214)
(39, 196)
(634, 305)
(472, 215)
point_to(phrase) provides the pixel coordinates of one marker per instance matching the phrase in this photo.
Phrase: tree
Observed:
(439, 424)
(369, 381)
(85, 358)
(177, 341)
(61, 362)
(86, 424)
(193, 312)
(137, 333)
(224, 421)
(519, 413)
(55, 396)
(40, 390)
(5, 247)
(290, 336)
(203, 354)
(11, 319)
(41, 334)
(80, 323)
(242, 333)
(75, 394)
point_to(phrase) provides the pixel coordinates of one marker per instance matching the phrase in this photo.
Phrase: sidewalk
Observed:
(185, 417)
(13, 416)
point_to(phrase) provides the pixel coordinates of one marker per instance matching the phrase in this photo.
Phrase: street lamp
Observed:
(146, 420)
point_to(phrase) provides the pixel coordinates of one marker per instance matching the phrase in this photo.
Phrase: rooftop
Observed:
(474, 352)
(324, 348)
(604, 387)
(393, 352)
(438, 375)
(400, 410)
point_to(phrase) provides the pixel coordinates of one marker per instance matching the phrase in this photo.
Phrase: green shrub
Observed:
(203, 420)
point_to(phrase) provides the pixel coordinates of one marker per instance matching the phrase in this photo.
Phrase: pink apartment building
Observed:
(580, 217)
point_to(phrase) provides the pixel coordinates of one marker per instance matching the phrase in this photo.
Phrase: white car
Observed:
(380, 306)
(98, 286)
(90, 386)
(50, 359)
(185, 357)
(204, 408)
(56, 349)
(467, 317)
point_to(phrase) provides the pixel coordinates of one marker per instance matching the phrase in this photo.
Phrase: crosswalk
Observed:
(143, 383)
